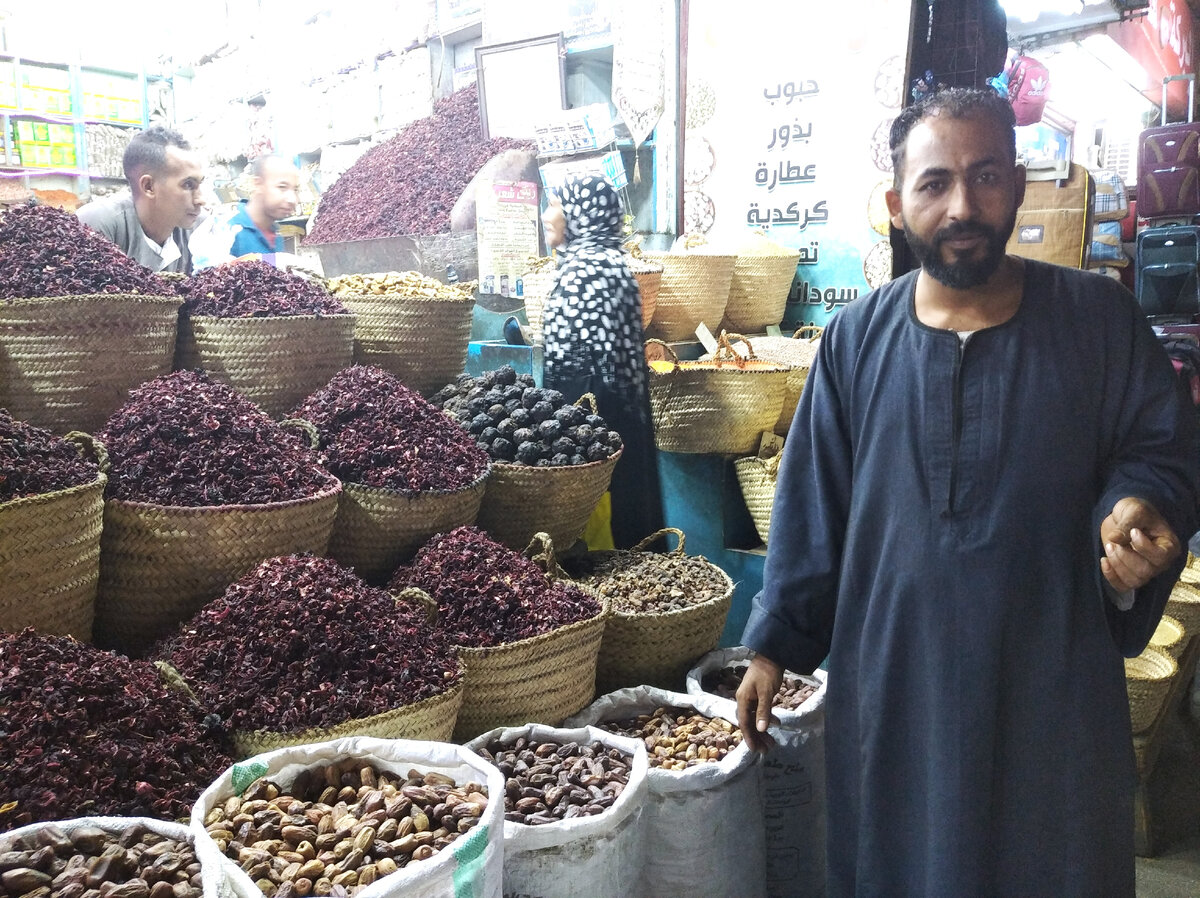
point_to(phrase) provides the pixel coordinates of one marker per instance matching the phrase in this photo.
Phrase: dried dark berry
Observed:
(507, 428)
(561, 460)
(479, 423)
(524, 435)
(529, 452)
(506, 375)
(563, 446)
(488, 435)
(542, 410)
(522, 418)
(549, 430)
(502, 449)
(597, 452)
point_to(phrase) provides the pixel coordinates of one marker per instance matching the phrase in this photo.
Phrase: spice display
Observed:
(378, 432)
(488, 594)
(408, 284)
(408, 184)
(548, 781)
(183, 440)
(89, 862)
(254, 289)
(34, 461)
(793, 692)
(86, 732)
(340, 827)
(679, 738)
(301, 642)
(647, 582)
(520, 423)
(45, 251)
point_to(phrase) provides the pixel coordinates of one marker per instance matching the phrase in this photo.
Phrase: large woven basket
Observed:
(1191, 571)
(431, 720)
(649, 279)
(422, 341)
(160, 564)
(276, 362)
(68, 362)
(377, 529)
(658, 649)
(756, 476)
(50, 560)
(694, 288)
(1184, 605)
(535, 286)
(758, 288)
(718, 407)
(1169, 636)
(797, 353)
(1148, 679)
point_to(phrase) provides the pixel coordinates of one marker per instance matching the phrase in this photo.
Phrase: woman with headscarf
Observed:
(592, 326)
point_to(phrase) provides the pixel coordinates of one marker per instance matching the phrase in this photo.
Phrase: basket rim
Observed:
(157, 298)
(727, 595)
(1173, 626)
(483, 651)
(198, 510)
(42, 498)
(391, 298)
(248, 320)
(510, 466)
(1151, 666)
(393, 492)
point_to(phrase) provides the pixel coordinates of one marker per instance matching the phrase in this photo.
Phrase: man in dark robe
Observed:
(980, 509)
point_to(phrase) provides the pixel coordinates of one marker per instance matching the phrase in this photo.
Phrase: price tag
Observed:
(769, 444)
(704, 335)
(774, 331)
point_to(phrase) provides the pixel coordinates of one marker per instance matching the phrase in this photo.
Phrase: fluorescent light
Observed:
(1109, 52)
(1029, 10)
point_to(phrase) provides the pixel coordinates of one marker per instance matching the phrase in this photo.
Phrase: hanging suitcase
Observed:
(1054, 223)
(1166, 282)
(1169, 162)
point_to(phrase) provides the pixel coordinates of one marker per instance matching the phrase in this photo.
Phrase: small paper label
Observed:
(774, 331)
(1031, 234)
(769, 444)
(704, 335)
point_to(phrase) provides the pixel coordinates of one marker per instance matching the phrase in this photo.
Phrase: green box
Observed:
(64, 134)
(41, 132)
(25, 131)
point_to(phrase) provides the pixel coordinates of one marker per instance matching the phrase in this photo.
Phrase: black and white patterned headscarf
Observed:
(592, 320)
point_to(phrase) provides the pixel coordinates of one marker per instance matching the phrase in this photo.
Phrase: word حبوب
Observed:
(791, 216)
(790, 91)
(808, 254)
(791, 174)
(788, 133)
(829, 298)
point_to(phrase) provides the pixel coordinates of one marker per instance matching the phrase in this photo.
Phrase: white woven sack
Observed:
(704, 825)
(115, 825)
(793, 783)
(584, 857)
(471, 867)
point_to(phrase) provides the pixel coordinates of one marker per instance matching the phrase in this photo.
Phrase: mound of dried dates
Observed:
(34, 461)
(376, 431)
(339, 827)
(84, 732)
(794, 691)
(679, 738)
(649, 583)
(182, 440)
(89, 862)
(400, 284)
(45, 251)
(548, 781)
(487, 594)
(520, 423)
(254, 289)
(301, 642)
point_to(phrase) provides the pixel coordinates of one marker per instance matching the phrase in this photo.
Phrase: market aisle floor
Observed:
(1175, 799)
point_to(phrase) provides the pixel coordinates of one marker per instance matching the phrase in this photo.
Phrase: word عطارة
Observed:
(787, 174)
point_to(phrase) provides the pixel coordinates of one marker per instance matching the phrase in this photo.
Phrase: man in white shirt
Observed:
(151, 224)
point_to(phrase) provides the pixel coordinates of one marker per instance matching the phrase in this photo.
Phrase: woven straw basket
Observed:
(1148, 679)
(694, 288)
(68, 362)
(1169, 636)
(718, 407)
(649, 279)
(160, 564)
(536, 285)
(758, 289)
(1184, 606)
(756, 476)
(659, 649)
(377, 529)
(50, 560)
(798, 353)
(1191, 571)
(421, 341)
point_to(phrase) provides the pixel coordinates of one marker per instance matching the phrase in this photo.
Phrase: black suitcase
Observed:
(1166, 283)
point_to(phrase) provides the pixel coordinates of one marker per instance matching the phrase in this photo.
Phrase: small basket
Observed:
(160, 564)
(377, 529)
(1148, 680)
(522, 501)
(276, 362)
(1169, 636)
(658, 649)
(536, 285)
(649, 279)
(694, 288)
(68, 362)
(1191, 571)
(717, 407)
(1184, 605)
(756, 476)
(50, 557)
(798, 353)
(759, 286)
(421, 340)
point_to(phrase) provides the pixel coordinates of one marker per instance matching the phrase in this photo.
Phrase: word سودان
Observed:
(787, 174)
(829, 298)
(791, 216)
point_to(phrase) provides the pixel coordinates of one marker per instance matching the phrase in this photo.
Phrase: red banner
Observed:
(1161, 42)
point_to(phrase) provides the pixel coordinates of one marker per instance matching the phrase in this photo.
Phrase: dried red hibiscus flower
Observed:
(376, 431)
(254, 289)
(88, 732)
(183, 440)
(489, 595)
(34, 461)
(300, 642)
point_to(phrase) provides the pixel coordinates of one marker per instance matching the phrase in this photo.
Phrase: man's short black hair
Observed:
(147, 151)
(955, 102)
(258, 165)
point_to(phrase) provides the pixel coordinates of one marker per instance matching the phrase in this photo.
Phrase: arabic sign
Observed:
(507, 226)
(1161, 42)
(794, 141)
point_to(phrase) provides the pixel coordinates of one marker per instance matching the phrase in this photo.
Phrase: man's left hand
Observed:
(1138, 544)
